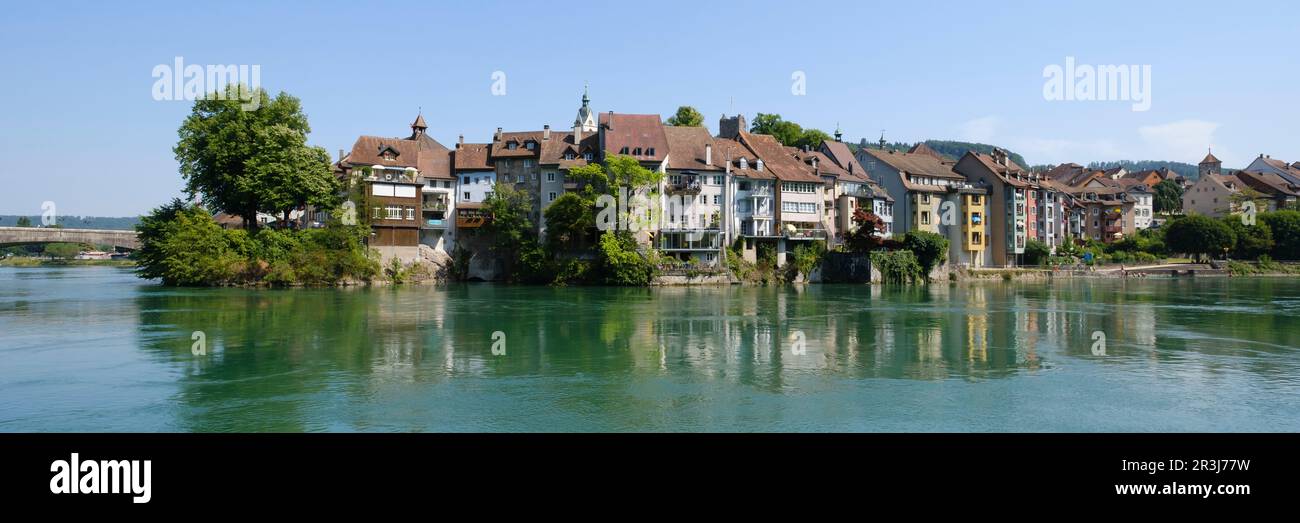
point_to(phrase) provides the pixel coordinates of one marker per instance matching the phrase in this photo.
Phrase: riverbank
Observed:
(20, 261)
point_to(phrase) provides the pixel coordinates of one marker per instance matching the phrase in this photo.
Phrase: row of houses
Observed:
(1272, 182)
(747, 189)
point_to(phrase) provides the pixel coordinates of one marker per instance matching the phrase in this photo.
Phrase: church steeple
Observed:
(838, 134)
(418, 126)
(586, 120)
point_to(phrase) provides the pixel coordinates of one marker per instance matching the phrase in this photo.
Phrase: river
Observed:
(88, 349)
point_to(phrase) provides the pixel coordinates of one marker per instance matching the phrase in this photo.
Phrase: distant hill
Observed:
(78, 222)
(951, 149)
(1185, 170)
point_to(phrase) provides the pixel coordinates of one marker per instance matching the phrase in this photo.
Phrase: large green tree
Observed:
(1199, 236)
(788, 133)
(1285, 231)
(686, 116)
(243, 162)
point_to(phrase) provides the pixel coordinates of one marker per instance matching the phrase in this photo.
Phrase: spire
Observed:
(882, 139)
(838, 134)
(585, 98)
(419, 122)
(586, 120)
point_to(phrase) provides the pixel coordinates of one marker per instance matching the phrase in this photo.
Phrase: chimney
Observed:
(546, 132)
(497, 137)
(340, 155)
(609, 122)
(708, 154)
(460, 141)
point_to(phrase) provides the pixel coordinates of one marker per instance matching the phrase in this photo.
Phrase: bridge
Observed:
(28, 235)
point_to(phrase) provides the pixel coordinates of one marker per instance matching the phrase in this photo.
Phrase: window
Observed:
(717, 199)
(744, 186)
(650, 151)
(709, 256)
(975, 200)
(568, 155)
(975, 238)
(410, 213)
(531, 145)
(636, 152)
(551, 196)
(393, 212)
(528, 164)
(717, 180)
(925, 217)
(624, 150)
(465, 197)
(550, 177)
(586, 156)
(465, 181)
(512, 146)
(374, 213)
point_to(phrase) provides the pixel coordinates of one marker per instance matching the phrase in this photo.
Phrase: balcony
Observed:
(691, 186)
(794, 232)
(434, 223)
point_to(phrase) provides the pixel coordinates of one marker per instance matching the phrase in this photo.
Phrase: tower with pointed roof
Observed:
(1210, 165)
(839, 135)
(586, 120)
(418, 126)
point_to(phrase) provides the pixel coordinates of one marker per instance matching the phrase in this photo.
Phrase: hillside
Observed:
(78, 222)
(950, 149)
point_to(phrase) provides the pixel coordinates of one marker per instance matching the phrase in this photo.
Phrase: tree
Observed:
(866, 235)
(1036, 252)
(930, 249)
(621, 262)
(686, 116)
(244, 162)
(63, 250)
(569, 221)
(24, 221)
(182, 245)
(788, 133)
(1199, 236)
(812, 138)
(1284, 227)
(514, 240)
(1252, 240)
(1169, 196)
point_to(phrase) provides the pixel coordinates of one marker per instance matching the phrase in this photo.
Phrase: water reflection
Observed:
(280, 360)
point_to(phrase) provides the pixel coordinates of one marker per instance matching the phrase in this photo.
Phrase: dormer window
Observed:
(531, 145)
(636, 152)
(512, 146)
(586, 156)
(568, 155)
(650, 151)
(624, 150)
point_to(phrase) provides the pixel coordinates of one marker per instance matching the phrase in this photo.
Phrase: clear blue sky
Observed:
(78, 124)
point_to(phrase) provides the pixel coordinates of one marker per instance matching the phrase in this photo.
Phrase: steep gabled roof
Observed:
(472, 157)
(634, 132)
(687, 149)
(774, 156)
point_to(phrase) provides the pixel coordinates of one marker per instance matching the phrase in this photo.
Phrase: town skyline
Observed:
(856, 74)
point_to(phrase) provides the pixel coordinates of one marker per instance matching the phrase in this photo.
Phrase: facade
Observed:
(697, 200)
(1211, 195)
(396, 174)
(919, 182)
(856, 189)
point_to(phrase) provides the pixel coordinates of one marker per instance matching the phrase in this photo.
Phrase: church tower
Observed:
(585, 123)
(1210, 165)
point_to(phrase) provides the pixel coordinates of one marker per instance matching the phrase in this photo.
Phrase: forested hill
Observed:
(950, 149)
(1186, 170)
(77, 222)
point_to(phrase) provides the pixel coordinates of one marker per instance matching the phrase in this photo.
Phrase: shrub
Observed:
(930, 249)
(1036, 252)
(621, 263)
(897, 267)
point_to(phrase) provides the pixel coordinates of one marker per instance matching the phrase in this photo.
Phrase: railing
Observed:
(434, 223)
(684, 188)
(804, 233)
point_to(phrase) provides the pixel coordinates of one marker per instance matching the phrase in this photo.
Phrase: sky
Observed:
(80, 126)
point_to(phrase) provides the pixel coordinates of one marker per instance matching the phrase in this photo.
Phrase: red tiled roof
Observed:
(784, 166)
(472, 157)
(423, 153)
(687, 146)
(634, 132)
(839, 153)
